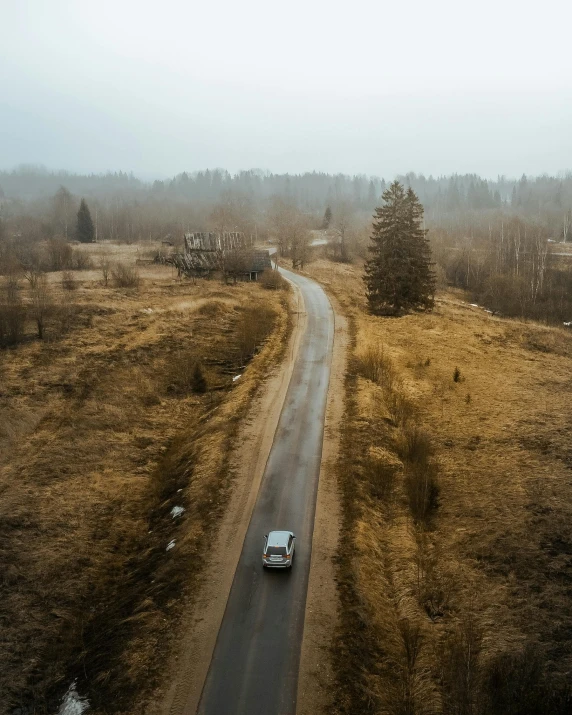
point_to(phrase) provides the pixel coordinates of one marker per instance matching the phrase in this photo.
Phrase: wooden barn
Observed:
(229, 253)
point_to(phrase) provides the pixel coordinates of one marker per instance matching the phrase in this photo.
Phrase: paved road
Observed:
(254, 670)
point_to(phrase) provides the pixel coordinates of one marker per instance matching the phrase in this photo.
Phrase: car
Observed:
(278, 550)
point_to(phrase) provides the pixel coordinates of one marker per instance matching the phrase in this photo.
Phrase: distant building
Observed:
(229, 253)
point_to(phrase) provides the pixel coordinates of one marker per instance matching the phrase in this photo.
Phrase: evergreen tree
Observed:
(421, 277)
(398, 276)
(327, 218)
(85, 231)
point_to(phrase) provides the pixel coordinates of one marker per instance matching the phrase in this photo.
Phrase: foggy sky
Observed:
(365, 86)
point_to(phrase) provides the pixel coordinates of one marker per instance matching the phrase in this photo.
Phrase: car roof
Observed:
(279, 538)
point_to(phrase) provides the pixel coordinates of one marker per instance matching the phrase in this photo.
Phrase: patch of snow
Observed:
(170, 545)
(568, 324)
(474, 305)
(235, 378)
(177, 511)
(73, 703)
(147, 310)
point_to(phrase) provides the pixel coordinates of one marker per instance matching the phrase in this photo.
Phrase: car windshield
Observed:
(276, 551)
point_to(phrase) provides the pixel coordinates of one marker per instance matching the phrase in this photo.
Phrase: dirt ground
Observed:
(115, 468)
(471, 609)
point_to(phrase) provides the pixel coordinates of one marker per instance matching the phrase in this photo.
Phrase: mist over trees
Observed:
(490, 237)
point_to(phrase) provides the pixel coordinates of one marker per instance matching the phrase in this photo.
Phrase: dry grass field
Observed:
(125, 411)
(456, 570)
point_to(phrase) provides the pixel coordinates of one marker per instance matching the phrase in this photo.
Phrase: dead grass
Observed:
(97, 450)
(467, 611)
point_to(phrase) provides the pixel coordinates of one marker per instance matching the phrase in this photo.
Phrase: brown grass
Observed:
(466, 611)
(97, 449)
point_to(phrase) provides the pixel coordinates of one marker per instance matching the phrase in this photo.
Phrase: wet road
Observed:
(254, 669)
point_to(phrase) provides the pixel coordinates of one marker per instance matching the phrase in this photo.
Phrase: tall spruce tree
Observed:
(85, 231)
(398, 276)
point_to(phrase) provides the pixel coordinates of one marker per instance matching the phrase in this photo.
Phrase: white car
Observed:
(278, 550)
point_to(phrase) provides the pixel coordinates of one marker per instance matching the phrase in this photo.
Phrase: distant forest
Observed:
(494, 239)
(457, 202)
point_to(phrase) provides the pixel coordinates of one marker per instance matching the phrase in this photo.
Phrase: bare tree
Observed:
(342, 224)
(41, 305)
(567, 224)
(105, 267)
(62, 205)
(290, 227)
(300, 244)
(233, 212)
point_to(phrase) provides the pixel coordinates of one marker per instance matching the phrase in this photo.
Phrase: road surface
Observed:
(254, 669)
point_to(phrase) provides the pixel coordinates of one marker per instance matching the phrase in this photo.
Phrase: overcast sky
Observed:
(360, 86)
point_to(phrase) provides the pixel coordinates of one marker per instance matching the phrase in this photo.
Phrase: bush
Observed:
(400, 408)
(460, 667)
(415, 446)
(422, 491)
(58, 255)
(272, 280)
(515, 684)
(81, 261)
(380, 477)
(375, 365)
(185, 373)
(68, 281)
(12, 322)
(255, 325)
(421, 484)
(125, 276)
(198, 380)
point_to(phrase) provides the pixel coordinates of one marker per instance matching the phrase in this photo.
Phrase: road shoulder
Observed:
(200, 628)
(316, 677)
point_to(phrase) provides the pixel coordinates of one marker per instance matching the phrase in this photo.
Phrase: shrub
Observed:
(375, 365)
(381, 478)
(272, 280)
(460, 667)
(125, 276)
(421, 485)
(515, 684)
(415, 446)
(12, 314)
(42, 306)
(456, 374)
(181, 371)
(254, 326)
(58, 255)
(81, 261)
(198, 380)
(400, 408)
(68, 281)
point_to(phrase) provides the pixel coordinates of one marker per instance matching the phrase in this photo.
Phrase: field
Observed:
(455, 571)
(115, 432)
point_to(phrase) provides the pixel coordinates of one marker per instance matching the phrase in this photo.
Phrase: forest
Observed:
(494, 238)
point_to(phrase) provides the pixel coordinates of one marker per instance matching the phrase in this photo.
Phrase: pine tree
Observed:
(422, 278)
(327, 218)
(398, 276)
(85, 231)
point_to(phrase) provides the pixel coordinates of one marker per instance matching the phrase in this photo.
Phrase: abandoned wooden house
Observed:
(229, 253)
